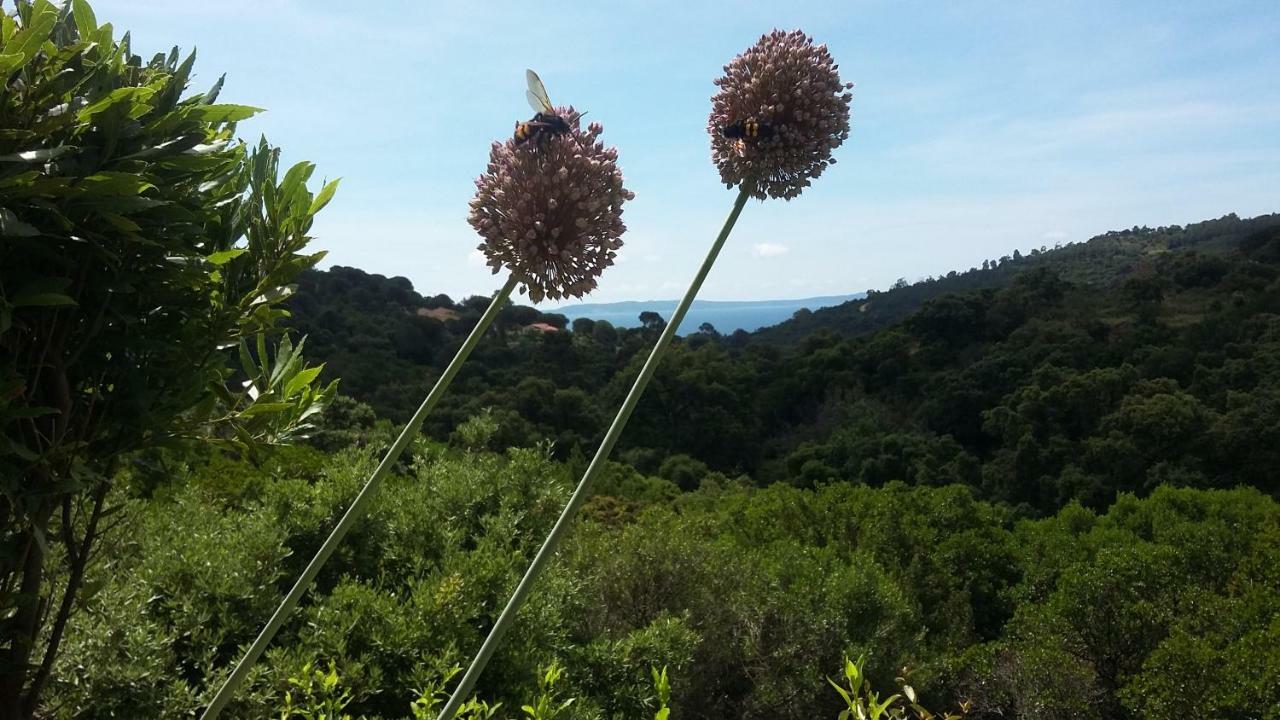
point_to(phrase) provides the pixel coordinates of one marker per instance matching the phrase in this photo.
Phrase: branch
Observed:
(78, 561)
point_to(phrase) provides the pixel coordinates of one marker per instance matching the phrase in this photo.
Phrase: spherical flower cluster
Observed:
(550, 210)
(792, 90)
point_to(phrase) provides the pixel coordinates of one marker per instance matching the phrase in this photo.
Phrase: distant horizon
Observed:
(709, 301)
(726, 316)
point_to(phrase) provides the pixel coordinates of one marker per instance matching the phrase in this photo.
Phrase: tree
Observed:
(583, 326)
(605, 334)
(139, 243)
(652, 321)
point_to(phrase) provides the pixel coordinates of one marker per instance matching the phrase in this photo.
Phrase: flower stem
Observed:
(358, 506)
(597, 464)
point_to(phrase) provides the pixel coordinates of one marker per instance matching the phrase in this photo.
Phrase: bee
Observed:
(545, 122)
(749, 129)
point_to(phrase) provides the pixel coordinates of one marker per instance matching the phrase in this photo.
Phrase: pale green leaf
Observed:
(134, 98)
(324, 196)
(225, 256)
(86, 23)
(223, 113)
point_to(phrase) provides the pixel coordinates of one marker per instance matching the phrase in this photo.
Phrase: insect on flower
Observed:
(749, 128)
(545, 121)
(746, 131)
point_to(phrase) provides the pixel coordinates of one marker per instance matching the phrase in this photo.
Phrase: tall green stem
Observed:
(358, 506)
(597, 463)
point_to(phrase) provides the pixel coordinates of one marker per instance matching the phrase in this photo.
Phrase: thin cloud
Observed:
(768, 250)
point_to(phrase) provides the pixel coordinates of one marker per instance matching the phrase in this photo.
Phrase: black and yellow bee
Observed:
(748, 129)
(545, 121)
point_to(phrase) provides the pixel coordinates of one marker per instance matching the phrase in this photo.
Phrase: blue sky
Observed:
(978, 127)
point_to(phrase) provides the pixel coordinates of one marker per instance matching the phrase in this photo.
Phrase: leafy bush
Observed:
(141, 241)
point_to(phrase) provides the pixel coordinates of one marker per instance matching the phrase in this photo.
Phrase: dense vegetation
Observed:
(139, 242)
(1156, 368)
(1041, 489)
(1162, 607)
(1051, 500)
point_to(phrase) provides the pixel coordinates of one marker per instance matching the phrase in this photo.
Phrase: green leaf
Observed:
(133, 97)
(212, 95)
(86, 23)
(114, 184)
(21, 451)
(43, 292)
(121, 223)
(25, 43)
(246, 361)
(324, 196)
(40, 154)
(225, 256)
(223, 113)
(31, 412)
(186, 142)
(301, 380)
(43, 300)
(9, 62)
(105, 36)
(11, 226)
(265, 408)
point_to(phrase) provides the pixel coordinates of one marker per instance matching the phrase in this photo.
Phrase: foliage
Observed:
(138, 242)
(747, 595)
(864, 703)
(1059, 386)
(318, 696)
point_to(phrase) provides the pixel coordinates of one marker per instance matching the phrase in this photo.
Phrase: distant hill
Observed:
(1100, 262)
(388, 343)
(725, 315)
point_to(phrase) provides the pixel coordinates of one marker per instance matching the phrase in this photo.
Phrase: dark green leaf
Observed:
(43, 300)
(11, 226)
(265, 408)
(114, 183)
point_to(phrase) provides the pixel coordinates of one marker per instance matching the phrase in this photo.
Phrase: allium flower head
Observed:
(792, 88)
(550, 210)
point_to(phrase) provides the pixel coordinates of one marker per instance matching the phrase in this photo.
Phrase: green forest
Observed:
(1046, 487)
(1044, 498)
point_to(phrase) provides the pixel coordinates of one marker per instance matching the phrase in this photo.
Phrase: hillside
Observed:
(972, 493)
(1099, 262)
(951, 394)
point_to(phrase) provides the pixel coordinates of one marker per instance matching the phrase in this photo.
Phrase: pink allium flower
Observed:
(550, 210)
(792, 90)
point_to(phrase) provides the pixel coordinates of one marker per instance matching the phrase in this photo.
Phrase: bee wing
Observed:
(537, 94)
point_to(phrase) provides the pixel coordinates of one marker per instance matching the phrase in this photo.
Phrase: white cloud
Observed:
(475, 258)
(767, 250)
